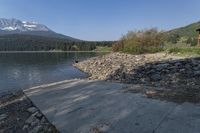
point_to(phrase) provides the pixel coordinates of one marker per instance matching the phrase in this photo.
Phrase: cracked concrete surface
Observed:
(82, 106)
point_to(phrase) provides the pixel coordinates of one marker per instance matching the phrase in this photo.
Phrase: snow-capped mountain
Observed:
(22, 26)
(15, 26)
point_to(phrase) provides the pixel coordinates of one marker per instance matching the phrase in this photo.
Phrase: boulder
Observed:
(32, 110)
(156, 77)
(3, 116)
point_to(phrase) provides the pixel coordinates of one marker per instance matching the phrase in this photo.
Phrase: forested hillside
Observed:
(38, 43)
(185, 34)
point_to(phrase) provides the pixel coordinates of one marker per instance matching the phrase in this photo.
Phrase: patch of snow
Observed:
(9, 28)
(30, 25)
(30, 29)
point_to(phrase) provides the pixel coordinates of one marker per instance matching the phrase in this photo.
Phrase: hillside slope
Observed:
(187, 31)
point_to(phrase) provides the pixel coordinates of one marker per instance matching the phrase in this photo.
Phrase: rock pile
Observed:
(116, 65)
(19, 115)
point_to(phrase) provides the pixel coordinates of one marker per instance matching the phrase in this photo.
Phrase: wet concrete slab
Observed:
(82, 106)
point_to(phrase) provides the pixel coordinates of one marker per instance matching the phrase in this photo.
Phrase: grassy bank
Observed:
(103, 49)
(184, 50)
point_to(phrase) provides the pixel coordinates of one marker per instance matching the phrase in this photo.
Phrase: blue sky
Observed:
(103, 19)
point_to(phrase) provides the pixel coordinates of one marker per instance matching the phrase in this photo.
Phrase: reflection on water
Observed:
(24, 70)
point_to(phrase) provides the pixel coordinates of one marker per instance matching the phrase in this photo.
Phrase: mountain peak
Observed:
(21, 26)
(15, 26)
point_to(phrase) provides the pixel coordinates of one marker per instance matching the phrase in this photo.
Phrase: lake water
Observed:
(24, 70)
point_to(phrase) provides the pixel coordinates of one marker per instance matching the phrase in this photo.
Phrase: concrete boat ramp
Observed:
(83, 106)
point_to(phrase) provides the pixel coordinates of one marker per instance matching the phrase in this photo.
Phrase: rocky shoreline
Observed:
(19, 115)
(114, 64)
(163, 76)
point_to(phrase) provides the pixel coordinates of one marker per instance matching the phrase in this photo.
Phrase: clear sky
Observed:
(103, 19)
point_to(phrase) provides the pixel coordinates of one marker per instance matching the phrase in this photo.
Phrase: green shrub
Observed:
(143, 41)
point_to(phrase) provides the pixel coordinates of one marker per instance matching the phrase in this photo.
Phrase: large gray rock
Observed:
(196, 73)
(156, 77)
(31, 119)
(3, 116)
(32, 109)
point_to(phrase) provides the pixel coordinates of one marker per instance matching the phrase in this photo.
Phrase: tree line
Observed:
(38, 43)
